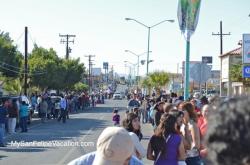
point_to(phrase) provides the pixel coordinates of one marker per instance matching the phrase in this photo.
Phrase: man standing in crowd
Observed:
(24, 116)
(63, 106)
(133, 103)
(43, 109)
(3, 117)
(13, 115)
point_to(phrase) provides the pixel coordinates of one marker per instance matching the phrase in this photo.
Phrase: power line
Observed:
(12, 66)
(30, 37)
(23, 73)
(19, 69)
(19, 38)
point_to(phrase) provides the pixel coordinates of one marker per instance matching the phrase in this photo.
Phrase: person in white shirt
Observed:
(63, 106)
(132, 125)
(114, 147)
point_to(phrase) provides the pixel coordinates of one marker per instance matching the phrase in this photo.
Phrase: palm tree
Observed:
(146, 83)
(155, 80)
(159, 79)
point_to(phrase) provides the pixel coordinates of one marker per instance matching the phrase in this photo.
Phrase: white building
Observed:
(227, 87)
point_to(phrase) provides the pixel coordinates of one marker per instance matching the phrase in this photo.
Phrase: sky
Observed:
(101, 29)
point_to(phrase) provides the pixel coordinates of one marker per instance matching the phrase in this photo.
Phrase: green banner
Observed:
(188, 15)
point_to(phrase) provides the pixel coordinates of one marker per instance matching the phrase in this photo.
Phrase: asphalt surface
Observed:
(54, 143)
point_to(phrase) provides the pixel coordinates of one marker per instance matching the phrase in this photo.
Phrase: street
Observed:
(52, 142)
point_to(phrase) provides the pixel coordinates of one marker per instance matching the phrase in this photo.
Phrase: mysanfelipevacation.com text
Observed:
(51, 144)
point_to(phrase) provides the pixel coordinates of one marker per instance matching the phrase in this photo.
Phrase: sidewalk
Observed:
(36, 121)
(147, 131)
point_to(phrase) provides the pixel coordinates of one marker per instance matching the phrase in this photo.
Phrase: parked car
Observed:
(117, 96)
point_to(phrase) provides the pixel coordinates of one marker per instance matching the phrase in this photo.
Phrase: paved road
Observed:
(83, 129)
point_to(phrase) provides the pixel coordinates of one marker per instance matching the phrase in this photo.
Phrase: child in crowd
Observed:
(126, 114)
(116, 117)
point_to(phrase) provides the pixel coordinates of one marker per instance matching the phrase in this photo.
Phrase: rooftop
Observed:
(235, 52)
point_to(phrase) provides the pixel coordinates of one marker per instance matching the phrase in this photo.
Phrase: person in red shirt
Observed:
(202, 124)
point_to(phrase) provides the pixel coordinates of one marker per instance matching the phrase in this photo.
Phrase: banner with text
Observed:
(246, 49)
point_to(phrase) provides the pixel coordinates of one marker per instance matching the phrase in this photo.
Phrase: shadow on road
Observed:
(103, 110)
(26, 149)
(72, 131)
(2, 156)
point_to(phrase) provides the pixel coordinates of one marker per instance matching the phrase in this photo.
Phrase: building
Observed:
(229, 88)
(212, 83)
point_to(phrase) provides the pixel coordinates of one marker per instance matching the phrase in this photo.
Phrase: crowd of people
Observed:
(181, 128)
(12, 112)
(199, 131)
(15, 111)
(194, 132)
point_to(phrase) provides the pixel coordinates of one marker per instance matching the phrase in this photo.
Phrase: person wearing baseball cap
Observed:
(114, 147)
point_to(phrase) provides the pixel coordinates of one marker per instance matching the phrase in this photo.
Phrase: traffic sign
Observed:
(246, 71)
(105, 65)
(200, 72)
(207, 59)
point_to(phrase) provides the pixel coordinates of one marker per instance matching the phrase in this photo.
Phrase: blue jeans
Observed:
(194, 161)
(2, 130)
(23, 123)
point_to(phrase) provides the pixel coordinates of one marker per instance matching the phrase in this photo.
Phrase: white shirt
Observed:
(63, 103)
(138, 146)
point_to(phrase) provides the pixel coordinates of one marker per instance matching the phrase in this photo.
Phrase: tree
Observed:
(80, 86)
(146, 83)
(235, 73)
(10, 58)
(74, 71)
(47, 70)
(159, 79)
(12, 86)
(156, 80)
(43, 66)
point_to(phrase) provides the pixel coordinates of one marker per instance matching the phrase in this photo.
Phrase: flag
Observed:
(188, 15)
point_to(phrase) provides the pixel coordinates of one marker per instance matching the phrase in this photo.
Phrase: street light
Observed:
(138, 59)
(149, 28)
(132, 65)
(130, 68)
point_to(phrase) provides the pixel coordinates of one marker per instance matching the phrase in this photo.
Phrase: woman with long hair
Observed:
(191, 133)
(165, 146)
(132, 125)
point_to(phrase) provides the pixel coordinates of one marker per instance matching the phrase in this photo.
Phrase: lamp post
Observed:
(127, 62)
(149, 28)
(138, 59)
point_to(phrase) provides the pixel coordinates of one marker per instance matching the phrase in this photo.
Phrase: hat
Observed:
(114, 147)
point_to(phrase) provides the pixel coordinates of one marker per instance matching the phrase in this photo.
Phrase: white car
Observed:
(117, 96)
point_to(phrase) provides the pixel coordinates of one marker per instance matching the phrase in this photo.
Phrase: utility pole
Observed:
(90, 69)
(112, 71)
(67, 41)
(221, 34)
(26, 62)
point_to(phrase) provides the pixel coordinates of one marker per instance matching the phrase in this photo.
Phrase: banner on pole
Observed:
(188, 16)
(246, 49)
